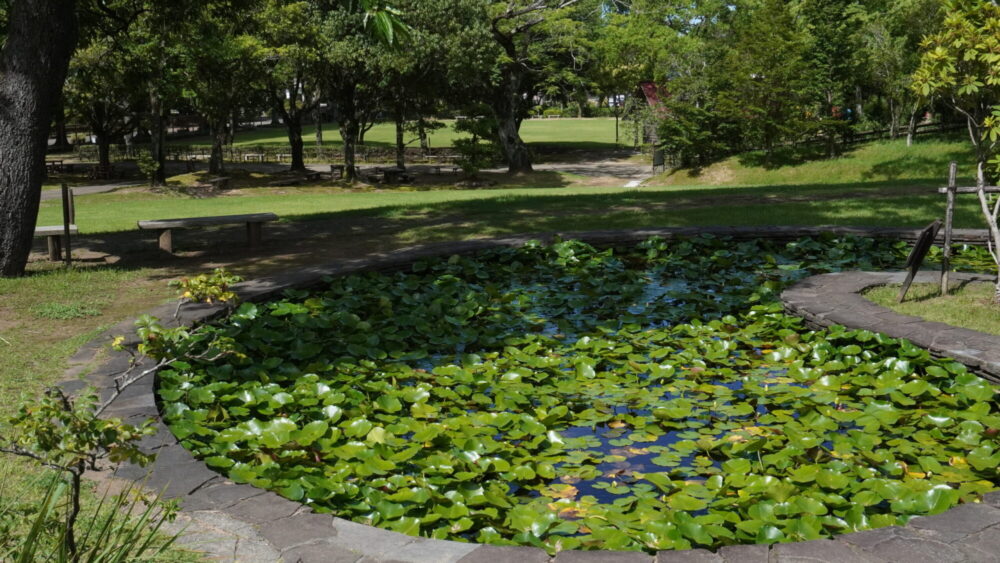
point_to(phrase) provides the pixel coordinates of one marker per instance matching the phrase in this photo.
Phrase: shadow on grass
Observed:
(926, 165)
(315, 238)
(792, 156)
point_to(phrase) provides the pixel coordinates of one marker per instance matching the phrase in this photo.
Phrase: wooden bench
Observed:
(307, 176)
(54, 234)
(254, 222)
(221, 183)
(101, 172)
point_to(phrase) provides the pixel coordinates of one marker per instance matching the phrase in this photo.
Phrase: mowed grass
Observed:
(882, 161)
(968, 305)
(507, 210)
(591, 133)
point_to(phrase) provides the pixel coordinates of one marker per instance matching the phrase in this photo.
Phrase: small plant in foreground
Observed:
(66, 433)
(208, 288)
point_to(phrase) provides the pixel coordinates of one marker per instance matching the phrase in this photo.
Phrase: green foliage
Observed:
(147, 165)
(694, 135)
(67, 434)
(650, 399)
(208, 288)
(123, 528)
(479, 151)
(961, 64)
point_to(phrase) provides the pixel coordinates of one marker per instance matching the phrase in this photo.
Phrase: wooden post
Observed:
(254, 234)
(55, 247)
(948, 225)
(166, 241)
(67, 214)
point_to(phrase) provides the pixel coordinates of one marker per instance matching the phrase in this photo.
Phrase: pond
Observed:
(569, 397)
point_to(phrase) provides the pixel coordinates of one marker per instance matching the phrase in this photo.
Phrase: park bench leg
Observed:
(254, 234)
(167, 241)
(55, 247)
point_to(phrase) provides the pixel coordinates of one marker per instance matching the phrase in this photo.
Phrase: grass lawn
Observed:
(586, 133)
(536, 209)
(969, 305)
(882, 161)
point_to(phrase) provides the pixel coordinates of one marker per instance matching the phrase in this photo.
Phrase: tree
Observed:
(101, 90)
(348, 51)
(765, 77)
(961, 64)
(888, 39)
(527, 32)
(221, 72)
(294, 49)
(40, 37)
(447, 50)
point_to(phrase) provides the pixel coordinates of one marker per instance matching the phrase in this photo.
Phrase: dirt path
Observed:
(87, 190)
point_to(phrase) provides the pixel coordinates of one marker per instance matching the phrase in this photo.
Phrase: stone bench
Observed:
(254, 222)
(54, 234)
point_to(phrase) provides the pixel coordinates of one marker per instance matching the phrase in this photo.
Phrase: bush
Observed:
(482, 150)
(552, 112)
(693, 135)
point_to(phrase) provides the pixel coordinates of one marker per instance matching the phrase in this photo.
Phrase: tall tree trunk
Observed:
(216, 163)
(157, 139)
(294, 124)
(505, 110)
(400, 146)
(893, 119)
(911, 130)
(425, 144)
(319, 128)
(518, 157)
(62, 141)
(41, 36)
(349, 128)
(103, 149)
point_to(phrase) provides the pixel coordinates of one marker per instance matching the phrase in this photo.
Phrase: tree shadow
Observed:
(315, 238)
(792, 155)
(924, 165)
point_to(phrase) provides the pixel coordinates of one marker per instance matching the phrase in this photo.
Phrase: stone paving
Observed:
(234, 522)
(836, 298)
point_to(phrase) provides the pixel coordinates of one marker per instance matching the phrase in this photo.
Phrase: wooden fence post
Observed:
(948, 225)
(67, 213)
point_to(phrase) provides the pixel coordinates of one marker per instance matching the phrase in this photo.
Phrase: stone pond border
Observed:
(836, 298)
(235, 522)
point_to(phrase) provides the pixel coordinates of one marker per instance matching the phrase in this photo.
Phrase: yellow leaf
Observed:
(561, 491)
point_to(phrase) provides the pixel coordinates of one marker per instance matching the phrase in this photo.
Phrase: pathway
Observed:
(87, 190)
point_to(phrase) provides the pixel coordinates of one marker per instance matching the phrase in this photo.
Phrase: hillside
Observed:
(882, 162)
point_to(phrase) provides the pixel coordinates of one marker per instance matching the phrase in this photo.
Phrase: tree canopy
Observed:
(730, 75)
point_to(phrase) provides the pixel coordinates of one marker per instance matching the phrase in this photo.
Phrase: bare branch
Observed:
(21, 452)
(126, 379)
